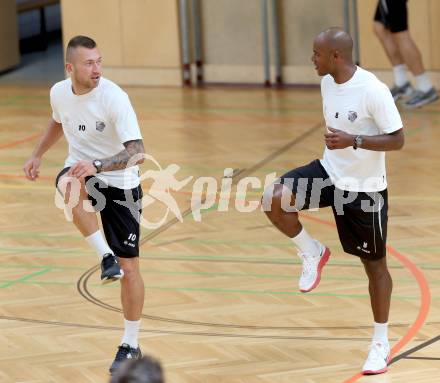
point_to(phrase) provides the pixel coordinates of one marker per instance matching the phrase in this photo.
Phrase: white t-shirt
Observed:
(361, 106)
(96, 125)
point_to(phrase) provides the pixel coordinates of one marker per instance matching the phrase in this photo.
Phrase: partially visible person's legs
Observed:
(362, 230)
(132, 297)
(282, 201)
(425, 91)
(121, 223)
(76, 197)
(284, 220)
(409, 52)
(391, 27)
(380, 286)
(388, 18)
(132, 300)
(401, 87)
(389, 43)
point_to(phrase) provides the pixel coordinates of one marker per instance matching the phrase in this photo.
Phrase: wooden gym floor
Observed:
(222, 304)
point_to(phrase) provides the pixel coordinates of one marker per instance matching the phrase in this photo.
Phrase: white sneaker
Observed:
(312, 265)
(378, 359)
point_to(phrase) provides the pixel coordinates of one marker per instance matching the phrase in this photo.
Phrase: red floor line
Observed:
(425, 295)
(15, 143)
(22, 176)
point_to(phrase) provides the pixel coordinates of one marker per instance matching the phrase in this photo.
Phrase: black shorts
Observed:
(393, 14)
(120, 221)
(361, 218)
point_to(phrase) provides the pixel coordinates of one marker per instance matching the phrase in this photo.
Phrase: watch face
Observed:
(97, 164)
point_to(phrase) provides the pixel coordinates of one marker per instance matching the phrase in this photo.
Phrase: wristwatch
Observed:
(357, 142)
(98, 165)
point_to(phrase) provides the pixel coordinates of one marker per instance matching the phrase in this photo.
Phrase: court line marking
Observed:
(25, 278)
(22, 141)
(421, 358)
(242, 173)
(215, 290)
(189, 333)
(405, 355)
(425, 292)
(425, 295)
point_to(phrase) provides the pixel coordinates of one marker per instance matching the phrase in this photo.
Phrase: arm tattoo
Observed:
(119, 161)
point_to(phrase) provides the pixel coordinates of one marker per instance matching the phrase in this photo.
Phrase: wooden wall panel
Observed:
(419, 26)
(371, 52)
(138, 39)
(99, 19)
(9, 54)
(150, 33)
(434, 33)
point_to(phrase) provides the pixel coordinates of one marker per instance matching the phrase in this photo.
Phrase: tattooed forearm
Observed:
(119, 161)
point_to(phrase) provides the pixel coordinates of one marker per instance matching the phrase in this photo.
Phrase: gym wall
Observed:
(424, 29)
(140, 39)
(9, 52)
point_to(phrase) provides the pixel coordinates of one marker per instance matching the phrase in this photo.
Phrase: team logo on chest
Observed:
(352, 116)
(100, 125)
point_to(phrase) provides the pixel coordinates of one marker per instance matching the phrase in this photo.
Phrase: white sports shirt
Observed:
(361, 106)
(96, 125)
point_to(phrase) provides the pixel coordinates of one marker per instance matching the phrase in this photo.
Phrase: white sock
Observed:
(131, 332)
(97, 241)
(400, 77)
(305, 242)
(380, 332)
(423, 82)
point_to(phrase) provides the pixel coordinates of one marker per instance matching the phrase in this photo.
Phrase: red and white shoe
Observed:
(312, 265)
(378, 359)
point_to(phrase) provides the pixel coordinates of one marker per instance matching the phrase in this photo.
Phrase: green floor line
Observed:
(291, 277)
(53, 267)
(208, 290)
(29, 234)
(232, 242)
(25, 278)
(182, 257)
(33, 249)
(189, 256)
(291, 260)
(262, 276)
(262, 292)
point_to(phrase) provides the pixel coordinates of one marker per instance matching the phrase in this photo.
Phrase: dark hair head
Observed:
(79, 41)
(143, 370)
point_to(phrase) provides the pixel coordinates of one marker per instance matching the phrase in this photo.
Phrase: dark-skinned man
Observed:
(362, 123)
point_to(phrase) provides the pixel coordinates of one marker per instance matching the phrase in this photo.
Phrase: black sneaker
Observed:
(401, 91)
(124, 353)
(421, 98)
(110, 270)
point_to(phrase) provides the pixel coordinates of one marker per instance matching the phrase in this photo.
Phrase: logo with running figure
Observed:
(165, 188)
(352, 116)
(164, 181)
